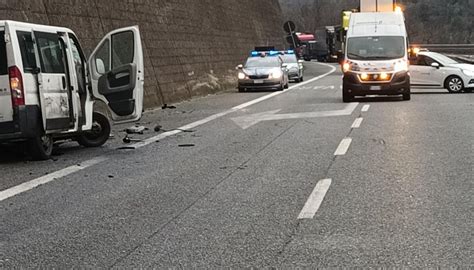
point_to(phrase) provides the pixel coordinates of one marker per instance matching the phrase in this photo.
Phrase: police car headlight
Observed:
(242, 76)
(401, 66)
(276, 74)
(469, 73)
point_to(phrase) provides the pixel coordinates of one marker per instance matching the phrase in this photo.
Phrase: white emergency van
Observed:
(376, 55)
(48, 89)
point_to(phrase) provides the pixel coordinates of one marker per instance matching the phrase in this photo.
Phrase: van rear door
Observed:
(6, 109)
(117, 73)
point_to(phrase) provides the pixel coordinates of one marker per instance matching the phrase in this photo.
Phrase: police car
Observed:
(295, 67)
(263, 70)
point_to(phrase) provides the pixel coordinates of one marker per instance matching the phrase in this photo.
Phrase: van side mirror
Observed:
(239, 67)
(435, 65)
(340, 58)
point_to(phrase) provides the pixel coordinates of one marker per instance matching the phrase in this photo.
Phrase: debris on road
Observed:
(158, 128)
(166, 106)
(130, 140)
(135, 130)
(187, 145)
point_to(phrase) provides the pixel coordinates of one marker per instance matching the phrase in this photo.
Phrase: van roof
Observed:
(32, 26)
(377, 24)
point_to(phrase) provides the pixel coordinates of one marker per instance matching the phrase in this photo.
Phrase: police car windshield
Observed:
(376, 48)
(289, 58)
(270, 61)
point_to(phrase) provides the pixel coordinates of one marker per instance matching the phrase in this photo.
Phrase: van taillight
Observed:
(16, 86)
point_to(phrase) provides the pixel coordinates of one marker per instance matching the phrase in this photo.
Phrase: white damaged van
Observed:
(48, 89)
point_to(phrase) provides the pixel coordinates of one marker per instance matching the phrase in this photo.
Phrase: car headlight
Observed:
(469, 73)
(242, 76)
(350, 66)
(401, 66)
(276, 74)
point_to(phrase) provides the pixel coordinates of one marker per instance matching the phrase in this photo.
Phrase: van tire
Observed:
(346, 97)
(41, 147)
(407, 97)
(99, 134)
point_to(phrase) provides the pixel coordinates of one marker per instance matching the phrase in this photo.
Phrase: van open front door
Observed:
(117, 73)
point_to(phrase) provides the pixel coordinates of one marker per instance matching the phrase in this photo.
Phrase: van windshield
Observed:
(3, 55)
(376, 48)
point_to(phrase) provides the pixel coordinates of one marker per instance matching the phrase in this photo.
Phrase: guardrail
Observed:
(467, 49)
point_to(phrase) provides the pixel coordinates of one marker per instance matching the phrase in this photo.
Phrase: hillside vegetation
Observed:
(428, 21)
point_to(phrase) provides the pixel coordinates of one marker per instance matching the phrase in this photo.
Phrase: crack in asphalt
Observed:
(178, 215)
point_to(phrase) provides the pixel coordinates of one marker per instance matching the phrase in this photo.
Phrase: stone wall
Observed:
(191, 47)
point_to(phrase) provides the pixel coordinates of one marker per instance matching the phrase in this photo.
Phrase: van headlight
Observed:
(276, 74)
(469, 73)
(401, 66)
(242, 76)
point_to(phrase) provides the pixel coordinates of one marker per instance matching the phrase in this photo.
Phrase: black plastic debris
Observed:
(130, 140)
(166, 106)
(187, 145)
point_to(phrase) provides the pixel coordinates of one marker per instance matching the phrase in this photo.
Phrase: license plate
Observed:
(258, 81)
(376, 88)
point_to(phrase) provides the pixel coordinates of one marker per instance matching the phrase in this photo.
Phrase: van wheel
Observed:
(41, 147)
(98, 135)
(454, 84)
(407, 96)
(346, 98)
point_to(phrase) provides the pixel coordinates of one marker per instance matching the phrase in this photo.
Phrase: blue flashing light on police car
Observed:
(254, 53)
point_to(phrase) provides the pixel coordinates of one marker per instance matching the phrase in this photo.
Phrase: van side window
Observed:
(102, 58)
(27, 49)
(123, 49)
(79, 63)
(3, 55)
(51, 53)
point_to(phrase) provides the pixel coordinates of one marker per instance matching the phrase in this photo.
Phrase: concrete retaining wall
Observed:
(191, 46)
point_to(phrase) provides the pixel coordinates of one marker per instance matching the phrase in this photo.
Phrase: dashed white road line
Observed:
(357, 123)
(8, 193)
(315, 199)
(365, 108)
(343, 147)
(11, 192)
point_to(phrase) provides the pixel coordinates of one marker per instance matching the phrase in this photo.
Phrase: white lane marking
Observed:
(234, 109)
(8, 193)
(343, 147)
(315, 199)
(357, 123)
(248, 121)
(366, 108)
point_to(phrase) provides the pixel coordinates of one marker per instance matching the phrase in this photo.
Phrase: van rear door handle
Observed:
(63, 78)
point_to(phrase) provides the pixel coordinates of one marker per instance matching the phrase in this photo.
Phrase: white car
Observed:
(435, 69)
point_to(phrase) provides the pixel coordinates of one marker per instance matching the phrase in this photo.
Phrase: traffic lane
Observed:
(247, 219)
(97, 216)
(402, 196)
(16, 169)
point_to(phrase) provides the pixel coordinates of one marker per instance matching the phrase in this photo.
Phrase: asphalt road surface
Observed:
(258, 179)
